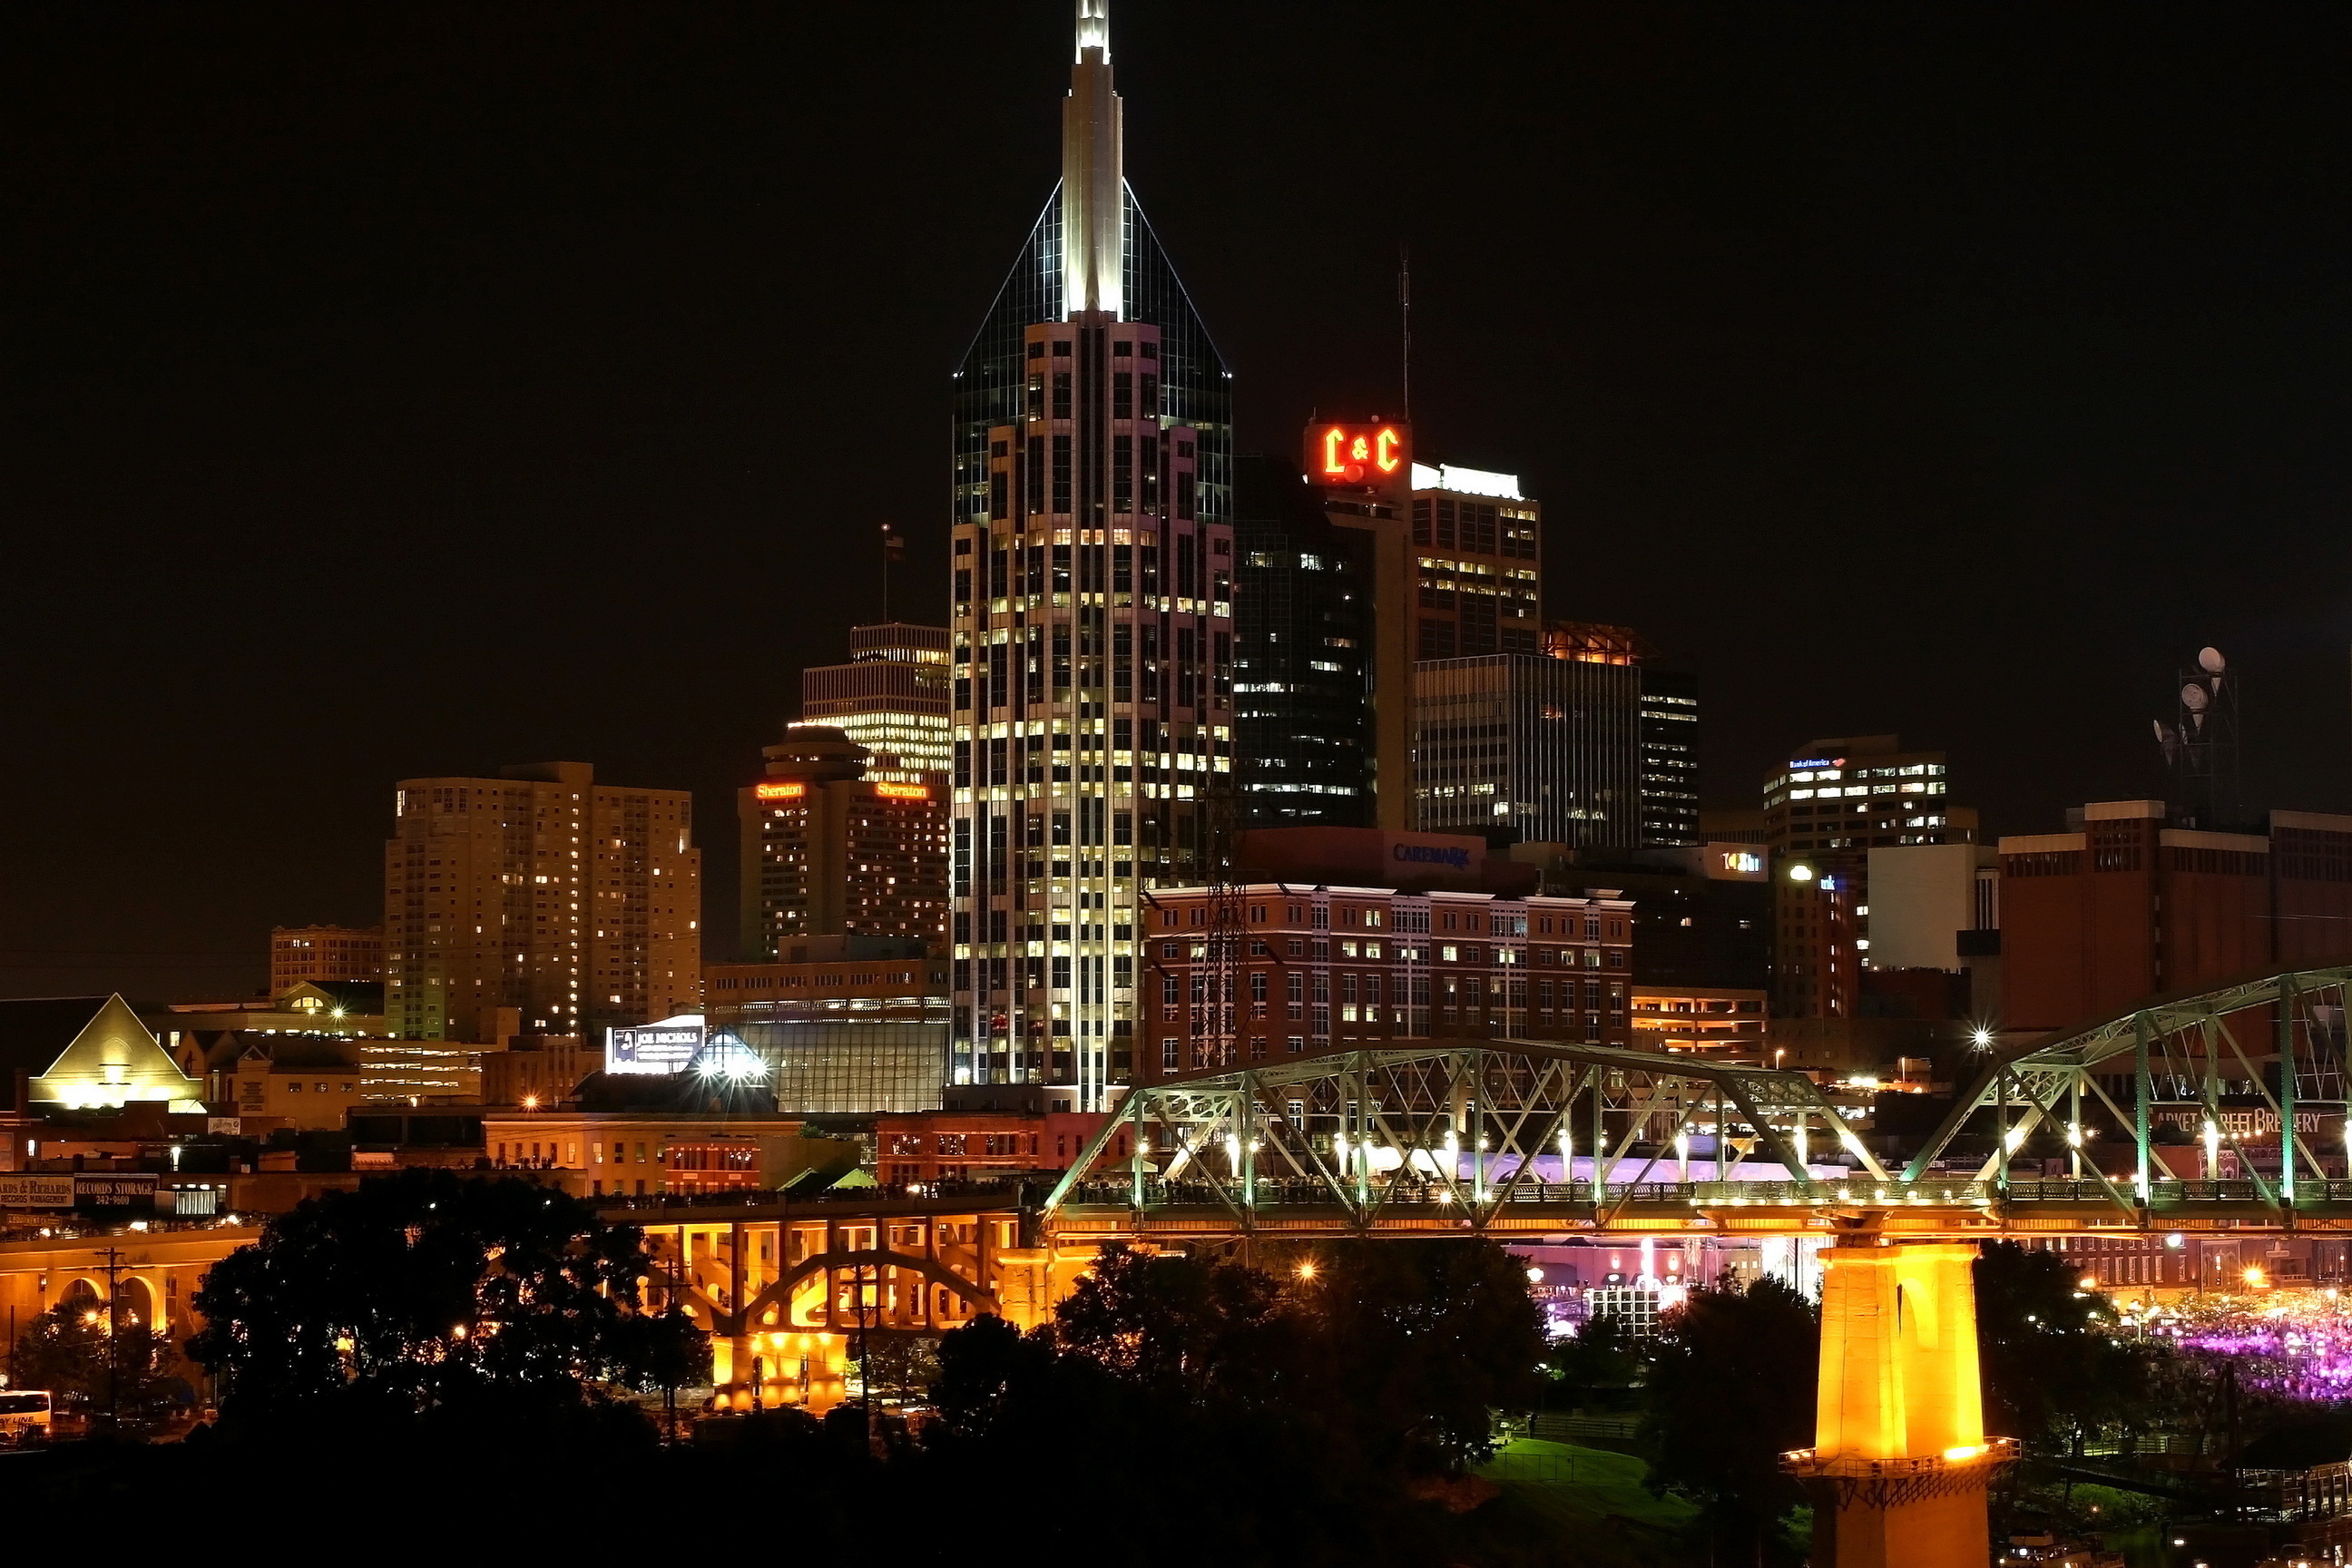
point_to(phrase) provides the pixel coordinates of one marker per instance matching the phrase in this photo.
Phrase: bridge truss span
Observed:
(2247, 1068)
(1484, 1134)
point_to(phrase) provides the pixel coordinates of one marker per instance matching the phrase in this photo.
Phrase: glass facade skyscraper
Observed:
(1669, 756)
(1302, 713)
(1532, 748)
(1093, 632)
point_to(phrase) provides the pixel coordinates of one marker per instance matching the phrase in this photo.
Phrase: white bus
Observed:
(23, 1417)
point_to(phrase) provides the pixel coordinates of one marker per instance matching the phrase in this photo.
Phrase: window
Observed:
(1168, 1059)
(1297, 1045)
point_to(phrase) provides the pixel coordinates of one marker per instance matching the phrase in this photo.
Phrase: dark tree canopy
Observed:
(2052, 1369)
(426, 1289)
(1731, 1388)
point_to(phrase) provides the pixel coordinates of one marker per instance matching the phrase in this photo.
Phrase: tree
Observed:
(425, 1288)
(663, 1351)
(96, 1368)
(1421, 1342)
(1603, 1360)
(2052, 1369)
(1731, 1387)
(1172, 1323)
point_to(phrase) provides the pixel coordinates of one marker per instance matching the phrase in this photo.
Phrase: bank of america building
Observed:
(1093, 584)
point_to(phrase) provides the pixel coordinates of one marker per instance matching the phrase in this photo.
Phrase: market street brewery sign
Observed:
(654, 1048)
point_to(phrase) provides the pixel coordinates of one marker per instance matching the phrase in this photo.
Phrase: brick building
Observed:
(1319, 969)
(323, 954)
(985, 1131)
(2126, 905)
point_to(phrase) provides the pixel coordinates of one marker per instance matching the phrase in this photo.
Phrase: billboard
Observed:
(18, 1192)
(114, 1191)
(652, 1049)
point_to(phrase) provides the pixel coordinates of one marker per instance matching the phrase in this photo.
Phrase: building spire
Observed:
(1093, 200)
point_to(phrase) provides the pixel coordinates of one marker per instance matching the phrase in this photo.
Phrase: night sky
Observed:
(413, 389)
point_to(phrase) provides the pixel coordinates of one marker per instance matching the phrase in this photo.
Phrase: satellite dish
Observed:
(2195, 698)
(2211, 661)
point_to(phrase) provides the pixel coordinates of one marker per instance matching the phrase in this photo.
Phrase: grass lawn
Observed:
(1568, 1507)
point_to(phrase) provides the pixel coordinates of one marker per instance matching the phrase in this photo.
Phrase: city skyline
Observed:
(1996, 528)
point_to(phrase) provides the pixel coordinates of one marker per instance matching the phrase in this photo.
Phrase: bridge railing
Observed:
(1266, 1192)
(2171, 1193)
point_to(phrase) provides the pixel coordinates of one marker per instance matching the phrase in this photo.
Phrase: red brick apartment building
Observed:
(1312, 970)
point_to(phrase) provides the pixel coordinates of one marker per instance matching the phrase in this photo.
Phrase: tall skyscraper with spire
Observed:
(1093, 621)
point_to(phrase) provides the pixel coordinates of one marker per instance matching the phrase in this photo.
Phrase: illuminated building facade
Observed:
(1834, 802)
(1479, 547)
(829, 850)
(981, 1143)
(844, 1025)
(1325, 968)
(83, 1053)
(1303, 629)
(329, 954)
(1722, 1022)
(1093, 652)
(1533, 747)
(575, 903)
(891, 698)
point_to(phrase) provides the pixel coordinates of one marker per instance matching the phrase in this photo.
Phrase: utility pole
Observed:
(866, 1345)
(113, 1266)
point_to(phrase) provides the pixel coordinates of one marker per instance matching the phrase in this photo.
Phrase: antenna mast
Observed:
(894, 549)
(1404, 312)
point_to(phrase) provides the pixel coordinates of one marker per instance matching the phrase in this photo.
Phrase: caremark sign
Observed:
(1430, 855)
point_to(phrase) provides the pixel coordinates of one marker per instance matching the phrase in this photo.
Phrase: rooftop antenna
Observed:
(894, 549)
(1404, 312)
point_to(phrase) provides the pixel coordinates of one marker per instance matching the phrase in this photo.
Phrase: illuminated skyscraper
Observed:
(1093, 620)
(891, 698)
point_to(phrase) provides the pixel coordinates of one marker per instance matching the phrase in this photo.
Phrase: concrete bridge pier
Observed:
(1900, 1461)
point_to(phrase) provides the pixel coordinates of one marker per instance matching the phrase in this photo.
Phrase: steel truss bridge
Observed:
(1459, 1136)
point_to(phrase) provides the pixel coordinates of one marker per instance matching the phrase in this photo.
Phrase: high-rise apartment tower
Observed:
(578, 904)
(1093, 620)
